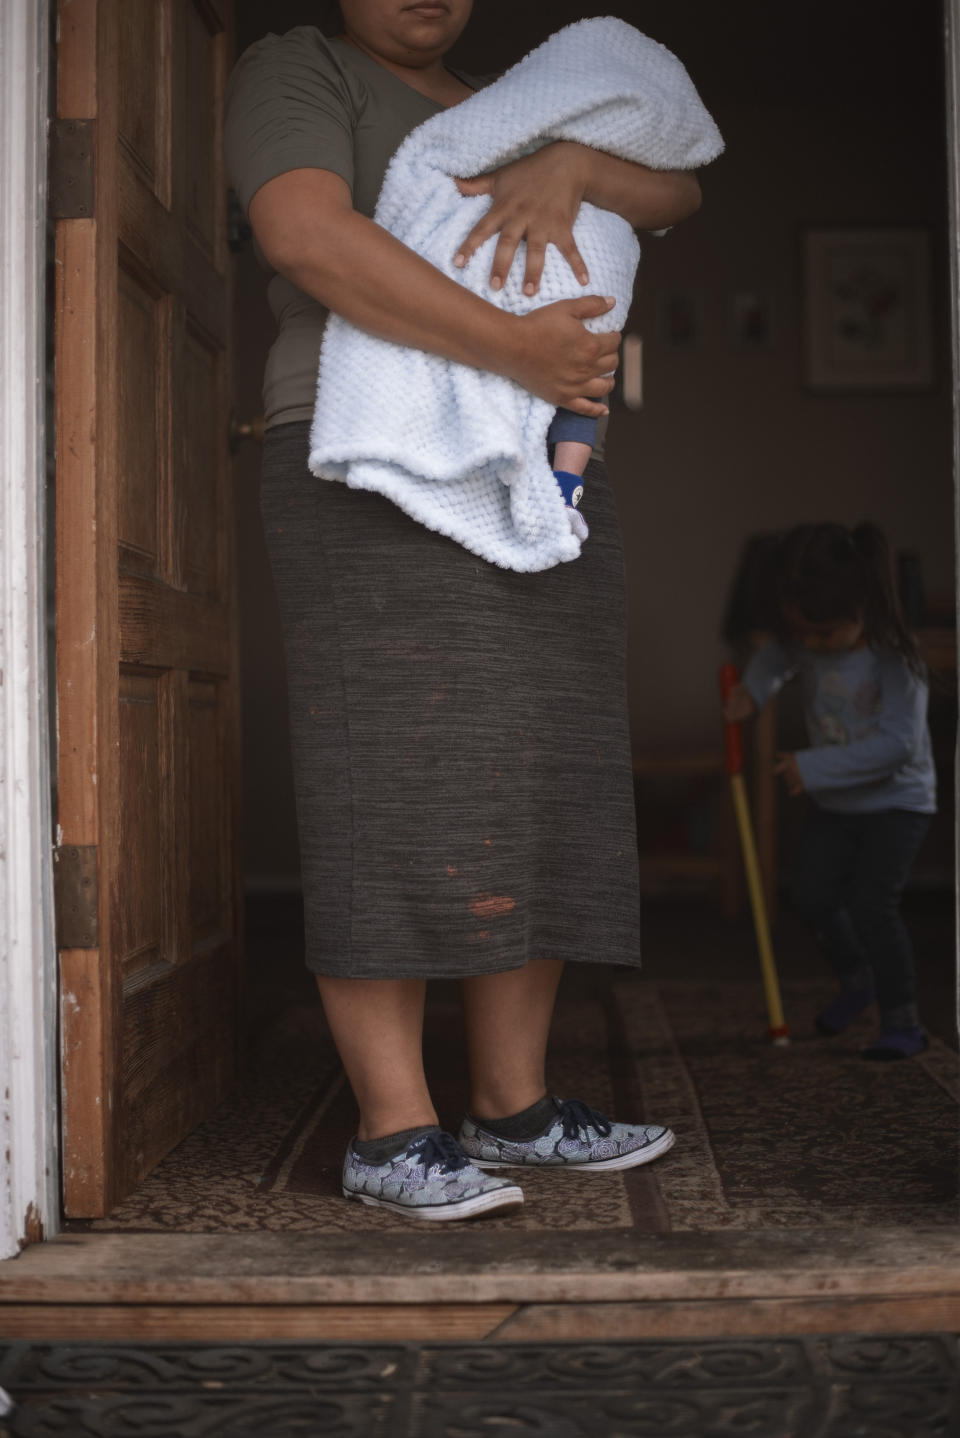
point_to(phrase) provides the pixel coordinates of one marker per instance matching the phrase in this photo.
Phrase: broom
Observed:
(733, 737)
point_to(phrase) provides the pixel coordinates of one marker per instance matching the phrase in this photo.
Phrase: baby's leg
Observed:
(571, 457)
(571, 436)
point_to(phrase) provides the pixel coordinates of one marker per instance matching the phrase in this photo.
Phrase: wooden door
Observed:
(148, 764)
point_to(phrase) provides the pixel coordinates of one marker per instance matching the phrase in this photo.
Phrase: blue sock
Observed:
(896, 1044)
(571, 487)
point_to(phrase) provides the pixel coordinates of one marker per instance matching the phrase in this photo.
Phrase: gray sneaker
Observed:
(431, 1178)
(580, 1138)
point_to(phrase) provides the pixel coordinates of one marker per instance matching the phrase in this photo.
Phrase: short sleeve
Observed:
(288, 107)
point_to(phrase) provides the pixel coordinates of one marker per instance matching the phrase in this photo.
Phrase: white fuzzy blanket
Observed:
(462, 450)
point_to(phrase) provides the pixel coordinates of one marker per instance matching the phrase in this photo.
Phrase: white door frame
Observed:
(952, 50)
(29, 1179)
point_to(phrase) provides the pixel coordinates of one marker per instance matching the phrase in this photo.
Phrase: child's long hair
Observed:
(830, 572)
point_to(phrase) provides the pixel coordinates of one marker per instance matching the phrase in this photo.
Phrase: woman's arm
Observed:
(648, 199)
(536, 199)
(308, 231)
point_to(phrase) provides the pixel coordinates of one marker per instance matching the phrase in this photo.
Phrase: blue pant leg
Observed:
(820, 886)
(568, 425)
(889, 844)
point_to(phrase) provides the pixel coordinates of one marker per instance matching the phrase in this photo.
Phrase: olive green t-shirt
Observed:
(301, 100)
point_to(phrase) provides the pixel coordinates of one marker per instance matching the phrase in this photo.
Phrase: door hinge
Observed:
(75, 895)
(70, 177)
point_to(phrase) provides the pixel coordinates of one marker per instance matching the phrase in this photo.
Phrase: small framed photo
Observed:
(867, 309)
(751, 321)
(679, 320)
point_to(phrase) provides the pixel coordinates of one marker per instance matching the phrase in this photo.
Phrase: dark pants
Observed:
(847, 881)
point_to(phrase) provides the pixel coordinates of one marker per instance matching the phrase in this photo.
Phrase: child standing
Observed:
(868, 771)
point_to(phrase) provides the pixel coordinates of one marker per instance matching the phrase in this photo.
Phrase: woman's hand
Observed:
(789, 770)
(561, 361)
(739, 705)
(535, 199)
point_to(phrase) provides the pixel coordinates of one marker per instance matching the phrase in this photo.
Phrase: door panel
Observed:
(147, 674)
(198, 480)
(141, 332)
(203, 203)
(143, 76)
(138, 933)
(209, 881)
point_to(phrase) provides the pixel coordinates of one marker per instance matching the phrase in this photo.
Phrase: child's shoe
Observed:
(847, 1006)
(894, 1044)
(430, 1178)
(571, 487)
(578, 1138)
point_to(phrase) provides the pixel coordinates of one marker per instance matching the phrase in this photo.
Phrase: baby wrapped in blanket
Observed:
(462, 450)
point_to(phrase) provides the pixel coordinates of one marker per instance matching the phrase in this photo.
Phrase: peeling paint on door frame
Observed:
(29, 1176)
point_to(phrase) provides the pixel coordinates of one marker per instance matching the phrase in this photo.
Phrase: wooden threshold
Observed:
(463, 1286)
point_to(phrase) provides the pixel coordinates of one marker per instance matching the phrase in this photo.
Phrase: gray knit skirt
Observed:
(461, 752)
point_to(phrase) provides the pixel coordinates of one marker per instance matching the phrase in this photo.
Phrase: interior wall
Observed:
(731, 442)
(828, 122)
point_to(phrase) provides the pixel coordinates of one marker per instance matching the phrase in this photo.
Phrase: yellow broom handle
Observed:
(751, 864)
(733, 742)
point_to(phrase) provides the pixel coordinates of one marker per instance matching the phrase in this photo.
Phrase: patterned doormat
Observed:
(803, 1137)
(847, 1387)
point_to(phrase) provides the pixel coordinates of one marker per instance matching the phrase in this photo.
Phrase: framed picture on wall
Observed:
(867, 309)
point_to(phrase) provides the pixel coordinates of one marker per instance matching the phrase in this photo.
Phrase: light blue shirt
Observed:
(866, 717)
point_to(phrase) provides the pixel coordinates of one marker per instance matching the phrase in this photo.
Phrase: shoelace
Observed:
(577, 1117)
(441, 1149)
